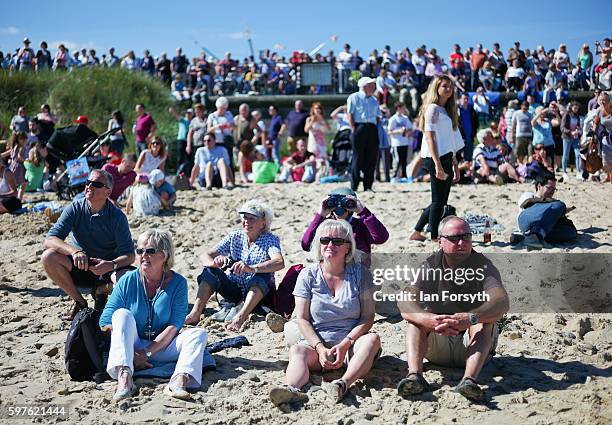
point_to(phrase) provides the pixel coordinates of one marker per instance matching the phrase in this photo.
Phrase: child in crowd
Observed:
(143, 199)
(166, 192)
(34, 168)
(16, 152)
(300, 166)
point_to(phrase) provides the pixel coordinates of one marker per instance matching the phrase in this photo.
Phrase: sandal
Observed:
(286, 394)
(129, 390)
(469, 389)
(70, 315)
(339, 389)
(175, 391)
(412, 384)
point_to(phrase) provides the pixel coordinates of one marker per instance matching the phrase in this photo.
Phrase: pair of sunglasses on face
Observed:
(96, 184)
(148, 251)
(335, 241)
(456, 238)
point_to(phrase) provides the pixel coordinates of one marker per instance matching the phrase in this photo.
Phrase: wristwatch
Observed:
(148, 354)
(473, 318)
(114, 265)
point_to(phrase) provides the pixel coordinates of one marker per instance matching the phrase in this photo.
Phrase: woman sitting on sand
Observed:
(145, 313)
(334, 310)
(152, 158)
(250, 256)
(9, 201)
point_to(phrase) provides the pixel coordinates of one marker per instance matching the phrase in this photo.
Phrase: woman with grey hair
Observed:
(334, 312)
(145, 313)
(221, 122)
(241, 267)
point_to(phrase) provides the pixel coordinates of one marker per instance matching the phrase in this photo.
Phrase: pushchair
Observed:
(73, 147)
(342, 152)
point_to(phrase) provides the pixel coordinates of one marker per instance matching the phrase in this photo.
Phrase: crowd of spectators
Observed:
(518, 69)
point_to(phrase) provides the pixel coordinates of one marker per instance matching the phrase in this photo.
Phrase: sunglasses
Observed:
(539, 148)
(456, 238)
(335, 241)
(148, 251)
(155, 144)
(96, 184)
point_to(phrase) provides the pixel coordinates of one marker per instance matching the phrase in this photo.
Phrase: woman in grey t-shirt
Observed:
(334, 310)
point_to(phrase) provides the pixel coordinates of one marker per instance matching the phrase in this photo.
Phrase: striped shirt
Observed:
(491, 154)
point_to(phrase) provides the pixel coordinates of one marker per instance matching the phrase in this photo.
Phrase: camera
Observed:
(340, 204)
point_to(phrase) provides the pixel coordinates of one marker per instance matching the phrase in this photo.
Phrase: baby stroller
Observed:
(342, 152)
(73, 147)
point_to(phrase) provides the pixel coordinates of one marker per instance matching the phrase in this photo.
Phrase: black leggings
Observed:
(440, 190)
(400, 161)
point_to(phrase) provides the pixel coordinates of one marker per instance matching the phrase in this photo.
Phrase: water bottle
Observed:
(487, 232)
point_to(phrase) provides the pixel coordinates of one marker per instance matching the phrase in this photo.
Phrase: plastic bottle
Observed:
(487, 232)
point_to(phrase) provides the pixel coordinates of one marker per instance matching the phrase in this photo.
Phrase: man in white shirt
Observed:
(400, 132)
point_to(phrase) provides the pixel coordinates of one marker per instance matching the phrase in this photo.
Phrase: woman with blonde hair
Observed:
(442, 140)
(334, 313)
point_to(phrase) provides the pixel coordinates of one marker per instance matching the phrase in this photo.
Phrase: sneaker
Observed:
(533, 242)
(565, 177)
(275, 322)
(221, 314)
(395, 180)
(286, 394)
(233, 312)
(412, 384)
(579, 176)
(469, 389)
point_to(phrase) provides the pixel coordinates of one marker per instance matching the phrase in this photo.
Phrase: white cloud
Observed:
(10, 30)
(73, 45)
(237, 35)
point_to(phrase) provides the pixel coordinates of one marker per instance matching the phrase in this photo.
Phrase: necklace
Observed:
(149, 334)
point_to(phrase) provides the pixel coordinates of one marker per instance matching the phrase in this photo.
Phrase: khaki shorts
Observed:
(450, 350)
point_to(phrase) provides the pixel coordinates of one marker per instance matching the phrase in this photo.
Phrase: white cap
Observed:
(364, 81)
(156, 176)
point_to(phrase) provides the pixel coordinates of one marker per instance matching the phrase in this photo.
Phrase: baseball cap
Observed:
(343, 191)
(252, 211)
(364, 81)
(82, 119)
(156, 176)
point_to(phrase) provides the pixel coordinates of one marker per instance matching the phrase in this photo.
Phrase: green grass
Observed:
(93, 92)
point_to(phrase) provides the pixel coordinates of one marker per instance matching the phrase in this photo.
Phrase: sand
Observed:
(550, 368)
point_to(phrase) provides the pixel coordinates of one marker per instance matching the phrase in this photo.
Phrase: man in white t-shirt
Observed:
(400, 132)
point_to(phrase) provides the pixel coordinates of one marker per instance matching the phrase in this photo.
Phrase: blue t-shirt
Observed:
(275, 125)
(333, 316)
(166, 187)
(542, 133)
(183, 129)
(204, 155)
(364, 109)
(105, 235)
(169, 305)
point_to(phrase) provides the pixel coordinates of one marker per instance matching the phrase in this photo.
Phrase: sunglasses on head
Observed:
(96, 184)
(456, 238)
(148, 251)
(335, 241)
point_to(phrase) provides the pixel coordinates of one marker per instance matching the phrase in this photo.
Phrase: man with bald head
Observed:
(451, 319)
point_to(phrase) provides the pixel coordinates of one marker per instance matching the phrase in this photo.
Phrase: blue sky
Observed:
(219, 25)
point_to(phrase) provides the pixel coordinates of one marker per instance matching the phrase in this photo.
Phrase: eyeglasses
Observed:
(96, 184)
(456, 238)
(335, 241)
(148, 251)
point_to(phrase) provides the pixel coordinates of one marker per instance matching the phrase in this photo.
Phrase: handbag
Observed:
(592, 158)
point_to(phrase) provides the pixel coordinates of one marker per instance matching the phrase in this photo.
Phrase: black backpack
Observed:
(86, 347)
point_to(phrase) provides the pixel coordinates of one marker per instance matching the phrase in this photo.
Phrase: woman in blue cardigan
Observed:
(145, 313)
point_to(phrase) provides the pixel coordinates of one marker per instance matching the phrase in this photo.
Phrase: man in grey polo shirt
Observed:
(101, 248)
(362, 114)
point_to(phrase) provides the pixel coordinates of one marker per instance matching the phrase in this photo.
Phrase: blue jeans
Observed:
(544, 219)
(230, 290)
(567, 145)
(276, 145)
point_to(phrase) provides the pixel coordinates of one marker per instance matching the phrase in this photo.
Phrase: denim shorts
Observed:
(230, 290)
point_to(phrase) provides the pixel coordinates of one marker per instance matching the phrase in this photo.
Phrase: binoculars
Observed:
(340, 204)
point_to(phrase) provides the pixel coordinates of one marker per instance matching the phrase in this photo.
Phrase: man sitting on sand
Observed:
(300, 166)
(211, 165)
(448, 332)
(123, 175)
(489, 163)
(541, 218)
(101, 249)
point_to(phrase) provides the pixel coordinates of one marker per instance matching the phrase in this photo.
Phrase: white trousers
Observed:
(187, 349)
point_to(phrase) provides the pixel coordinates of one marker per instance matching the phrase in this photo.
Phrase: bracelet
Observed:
(315, 346)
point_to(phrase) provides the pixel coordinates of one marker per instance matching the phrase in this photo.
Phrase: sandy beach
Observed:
(549, 369)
